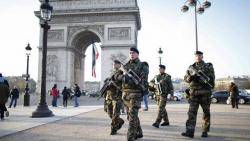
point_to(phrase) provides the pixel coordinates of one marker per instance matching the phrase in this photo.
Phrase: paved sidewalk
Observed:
(20, 119)
(227, 125)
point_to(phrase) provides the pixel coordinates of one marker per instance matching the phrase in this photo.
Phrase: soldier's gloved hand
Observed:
(126, 78)
(196, 78)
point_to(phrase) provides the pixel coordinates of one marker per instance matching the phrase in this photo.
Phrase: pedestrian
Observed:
(14, 94)
(145, 93)
(66, 95)
(163, 84)
(113, 98)
(55, 95)
(133, 92)
(4, 95)
(77, 93)
(201, 79)
(234, 95)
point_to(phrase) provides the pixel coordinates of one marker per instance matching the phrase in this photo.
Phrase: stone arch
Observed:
(113, 23)
(76, 33)
(80, 41)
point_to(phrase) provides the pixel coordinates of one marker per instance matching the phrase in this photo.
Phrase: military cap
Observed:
(134, 50)
(117, 62)
(198, 53)
(162, 66)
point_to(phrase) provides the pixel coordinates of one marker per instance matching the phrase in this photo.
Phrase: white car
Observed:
(177, 96)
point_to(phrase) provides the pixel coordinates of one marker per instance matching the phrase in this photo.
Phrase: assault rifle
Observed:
(104, 88)
(135, 78)
(201, 74)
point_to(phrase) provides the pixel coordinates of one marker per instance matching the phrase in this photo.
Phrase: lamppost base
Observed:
(26, 100)
(42, 111)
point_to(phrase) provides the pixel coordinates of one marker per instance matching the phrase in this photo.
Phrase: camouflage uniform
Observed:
(132, 97)
(161, 98)
(200, 93)
(113, 101)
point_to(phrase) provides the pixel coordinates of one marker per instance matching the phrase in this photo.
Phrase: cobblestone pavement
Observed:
(227, 125)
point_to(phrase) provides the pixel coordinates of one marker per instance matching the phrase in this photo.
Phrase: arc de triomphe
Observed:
(75, 24)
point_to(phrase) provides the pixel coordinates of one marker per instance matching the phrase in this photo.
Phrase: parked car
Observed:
(178, 96)
(223, 97)
(219, 96)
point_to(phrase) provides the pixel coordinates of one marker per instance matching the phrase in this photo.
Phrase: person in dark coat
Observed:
(234, 95)
(4, 95)
(14, 94)
(77, 93)
(66, 95)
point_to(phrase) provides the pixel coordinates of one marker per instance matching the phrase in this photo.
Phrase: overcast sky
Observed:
(224, 37)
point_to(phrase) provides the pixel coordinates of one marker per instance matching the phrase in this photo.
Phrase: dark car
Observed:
(223, 97)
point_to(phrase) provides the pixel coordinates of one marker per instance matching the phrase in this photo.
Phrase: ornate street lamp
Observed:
(27, 95)
(43, 109)
(160, 52)
(199, 10)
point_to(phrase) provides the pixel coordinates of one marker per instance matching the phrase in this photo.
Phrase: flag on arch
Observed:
(95, 56)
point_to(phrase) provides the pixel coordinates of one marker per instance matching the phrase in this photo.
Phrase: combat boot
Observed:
(129, 138)
(7, 113)
(113, 132)
(204, 135)
(188, 134)
(156, 125)
(120, 124)
(139, 133)
(139, 136)
(165, 123)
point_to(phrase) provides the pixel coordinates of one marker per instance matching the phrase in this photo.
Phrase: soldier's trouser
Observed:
(114, 107)
(133, 103)
(194, 103)
(162, 112)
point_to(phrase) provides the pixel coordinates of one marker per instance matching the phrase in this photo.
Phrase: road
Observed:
(227, 125)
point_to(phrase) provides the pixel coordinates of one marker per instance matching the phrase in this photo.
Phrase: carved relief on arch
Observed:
(118, 56)
(56, 35)
(98, 29)
(52, 68)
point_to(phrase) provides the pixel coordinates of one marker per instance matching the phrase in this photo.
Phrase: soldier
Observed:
(200, 77)
(113, 98)
(133, 92)
(162, 82)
